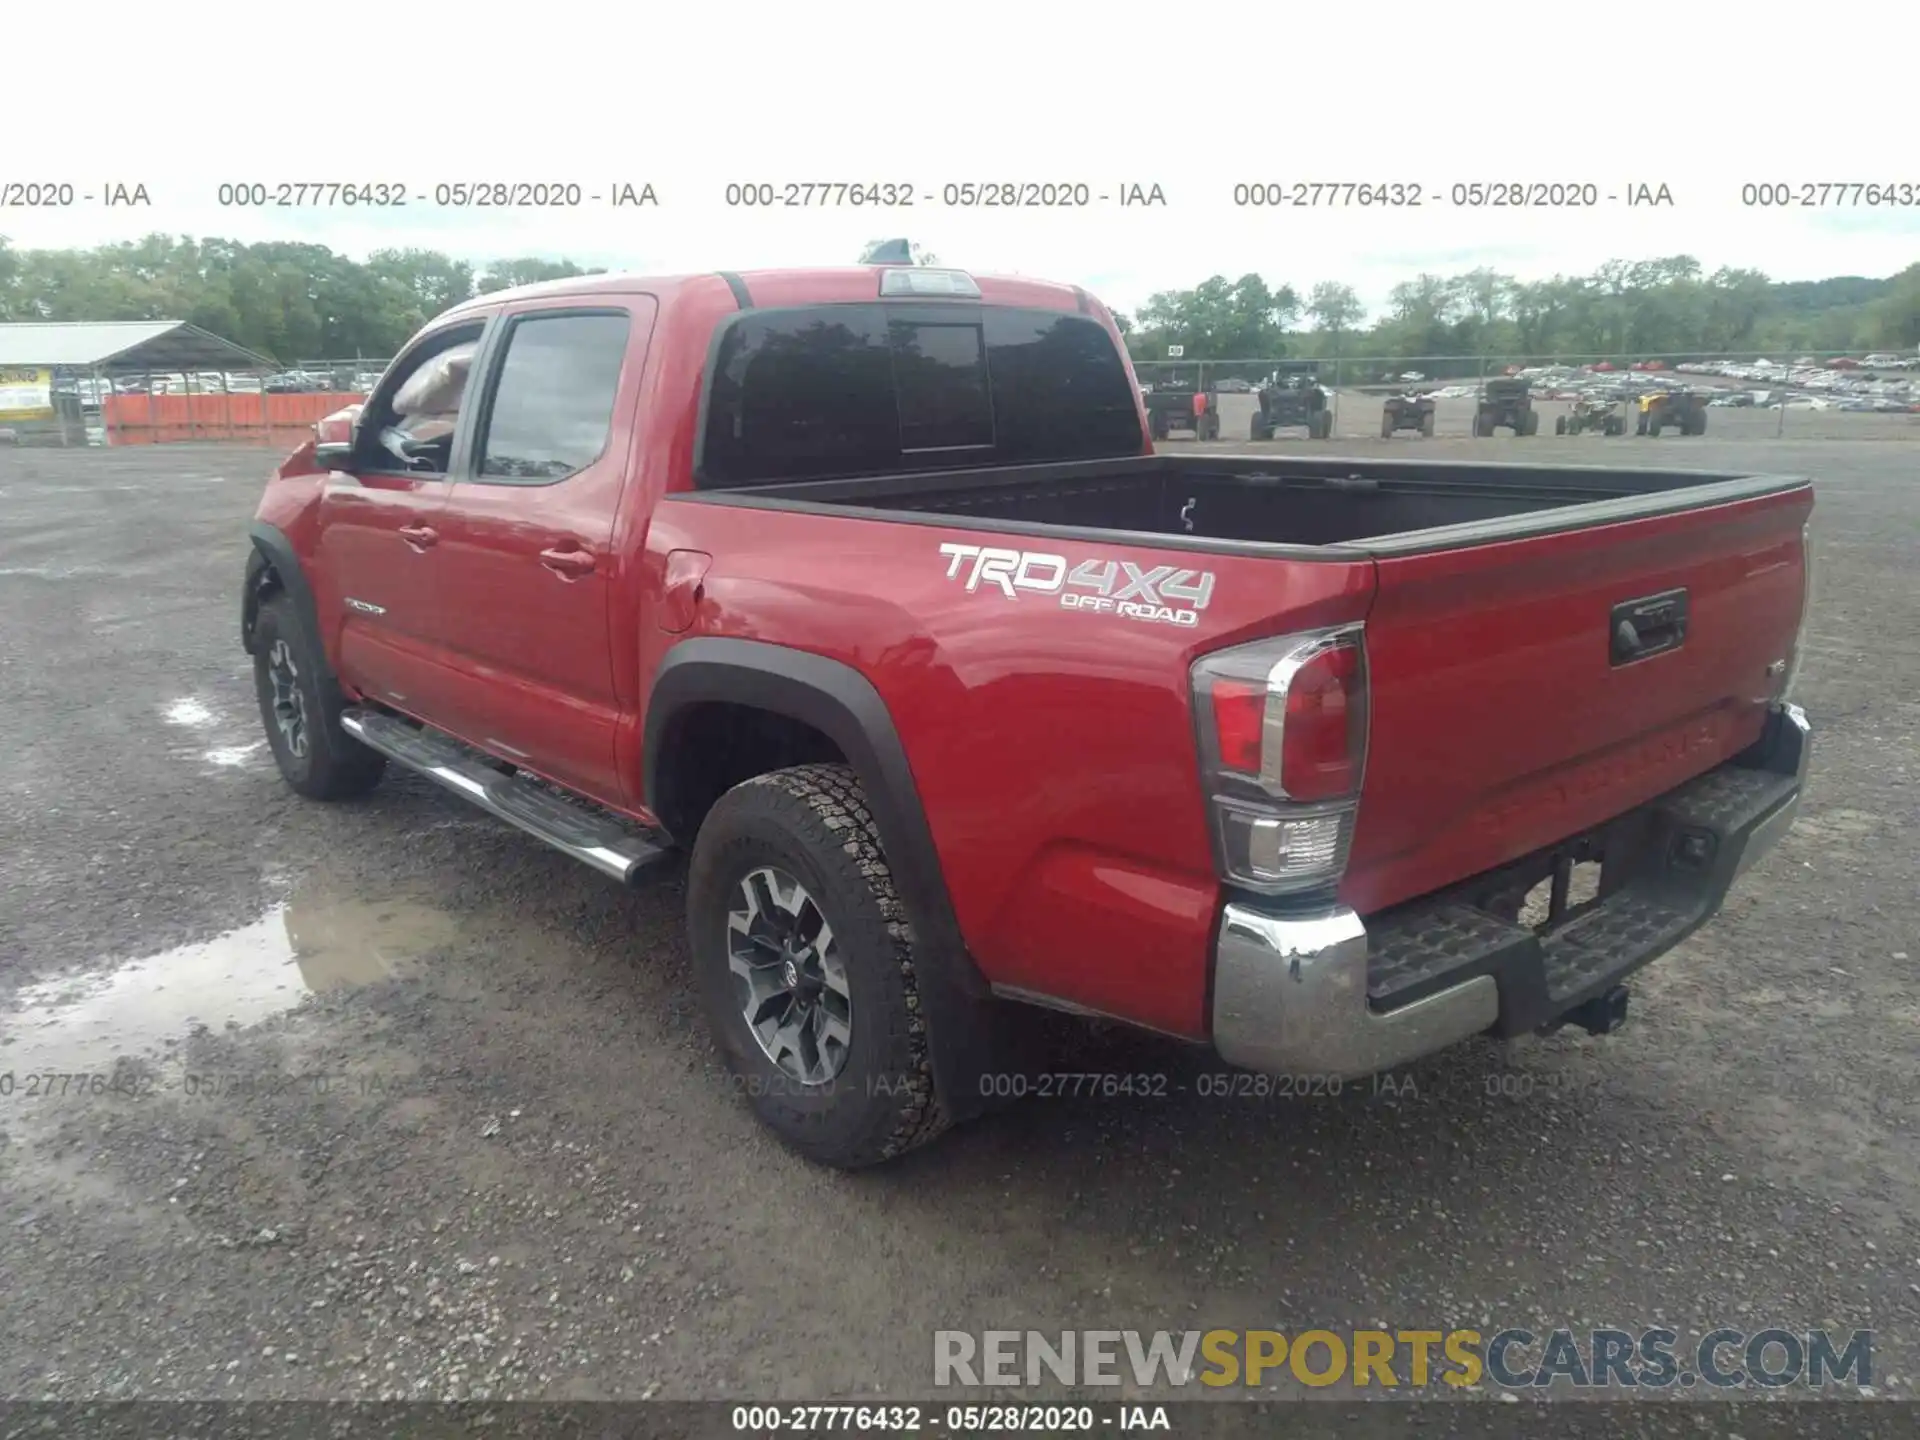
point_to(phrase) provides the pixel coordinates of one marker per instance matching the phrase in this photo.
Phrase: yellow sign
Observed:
(25, 394)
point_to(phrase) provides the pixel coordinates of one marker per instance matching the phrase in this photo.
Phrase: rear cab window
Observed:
(829, 391)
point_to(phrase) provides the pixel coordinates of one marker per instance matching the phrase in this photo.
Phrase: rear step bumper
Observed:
(1327, 994)
(519, 799)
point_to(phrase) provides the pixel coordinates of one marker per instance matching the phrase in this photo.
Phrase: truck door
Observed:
(379, 567)
(528, 536)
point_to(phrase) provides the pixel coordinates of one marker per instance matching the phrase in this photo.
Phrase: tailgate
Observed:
(1507, 710)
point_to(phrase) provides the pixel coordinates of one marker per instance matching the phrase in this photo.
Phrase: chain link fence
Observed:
(1799, 394)
(1808, 396)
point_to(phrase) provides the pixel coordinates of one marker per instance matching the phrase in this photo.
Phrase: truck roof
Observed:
(818, 285)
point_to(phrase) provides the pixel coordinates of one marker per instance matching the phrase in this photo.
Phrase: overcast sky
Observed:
(984, 92)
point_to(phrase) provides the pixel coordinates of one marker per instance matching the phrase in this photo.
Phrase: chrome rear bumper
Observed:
(1291, 990)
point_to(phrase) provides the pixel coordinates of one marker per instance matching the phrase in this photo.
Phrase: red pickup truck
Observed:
(865, 590)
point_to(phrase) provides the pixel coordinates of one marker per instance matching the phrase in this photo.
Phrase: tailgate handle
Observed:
(1648, 626)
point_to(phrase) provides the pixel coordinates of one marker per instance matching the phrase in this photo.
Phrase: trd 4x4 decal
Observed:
(1164, 594)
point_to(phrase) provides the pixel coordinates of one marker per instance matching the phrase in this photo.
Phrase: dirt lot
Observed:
(1357, 417)
(419, 1108)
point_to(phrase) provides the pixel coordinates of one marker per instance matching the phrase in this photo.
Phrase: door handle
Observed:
(568, 563)
(419, 536)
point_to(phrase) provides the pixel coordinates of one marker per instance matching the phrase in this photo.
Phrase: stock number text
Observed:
(1831, 195)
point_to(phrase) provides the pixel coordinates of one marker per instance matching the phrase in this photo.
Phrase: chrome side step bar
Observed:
(609, 847)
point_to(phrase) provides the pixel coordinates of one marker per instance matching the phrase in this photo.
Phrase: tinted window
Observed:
(940, 386)
(853, 389)
(553, 404)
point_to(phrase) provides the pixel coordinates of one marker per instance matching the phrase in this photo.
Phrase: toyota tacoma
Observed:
(864, 593)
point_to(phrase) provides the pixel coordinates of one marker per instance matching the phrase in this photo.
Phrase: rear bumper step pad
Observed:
(1667, 869)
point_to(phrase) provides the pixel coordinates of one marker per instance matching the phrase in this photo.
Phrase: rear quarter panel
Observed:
(1053, 749)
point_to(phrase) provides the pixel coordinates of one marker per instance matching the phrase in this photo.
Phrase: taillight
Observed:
(1797, 656)
(1283, 739)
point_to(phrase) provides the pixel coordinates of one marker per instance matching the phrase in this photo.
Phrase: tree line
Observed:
(1669, 306)
(286, 300)
(293, 301)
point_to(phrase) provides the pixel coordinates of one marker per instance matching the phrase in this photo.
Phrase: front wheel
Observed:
(300, 706)
(805, 966)
(1560, 425)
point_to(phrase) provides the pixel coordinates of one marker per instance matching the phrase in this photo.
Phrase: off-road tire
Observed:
(812, 821)
(1386, 427)
(1697, 423)
(1426, 425)
(335, 766)
(1560, 425)
(1653, 429)
(1260, 430)
(1529, 423)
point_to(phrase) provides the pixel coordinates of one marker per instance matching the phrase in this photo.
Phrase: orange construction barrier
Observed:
(255, 418)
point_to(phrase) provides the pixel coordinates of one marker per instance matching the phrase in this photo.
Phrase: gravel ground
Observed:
(409, 1106)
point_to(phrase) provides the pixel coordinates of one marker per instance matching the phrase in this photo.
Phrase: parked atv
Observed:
(1287, 400)
(1506, 401)
(1590, 415)
(1682, 410)
(1171, 407)
(1407, 412)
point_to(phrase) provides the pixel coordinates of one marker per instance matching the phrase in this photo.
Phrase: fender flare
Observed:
(843, 705)
(272, 552)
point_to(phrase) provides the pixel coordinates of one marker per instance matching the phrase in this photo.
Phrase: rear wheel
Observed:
(1426, 425)
(1260, 430)
(1560, 426)
(1529, 423)
(1697, 423)
(300, 706)
(1322, 426)
(1387, 427)
(1653, 427)
(805, 965)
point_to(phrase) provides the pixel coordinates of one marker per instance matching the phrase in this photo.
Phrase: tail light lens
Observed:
(1797, 655)
(1283, 738)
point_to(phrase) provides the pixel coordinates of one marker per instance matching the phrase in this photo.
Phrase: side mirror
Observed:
(334, 437)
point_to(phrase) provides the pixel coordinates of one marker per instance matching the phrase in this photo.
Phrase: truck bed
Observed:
(1213, 502)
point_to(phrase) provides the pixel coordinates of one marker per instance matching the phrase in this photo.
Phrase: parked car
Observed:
(864, 591)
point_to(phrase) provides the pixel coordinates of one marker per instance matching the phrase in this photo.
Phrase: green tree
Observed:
(529, 270)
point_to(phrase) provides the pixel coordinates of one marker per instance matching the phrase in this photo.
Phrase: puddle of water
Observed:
(307, 945)
(232, 754)
(189, 712)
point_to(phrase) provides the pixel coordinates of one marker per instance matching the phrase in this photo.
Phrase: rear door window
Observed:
(552, 405)
(841, 390)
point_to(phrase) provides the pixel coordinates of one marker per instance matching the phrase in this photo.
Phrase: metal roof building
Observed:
(122, 347)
